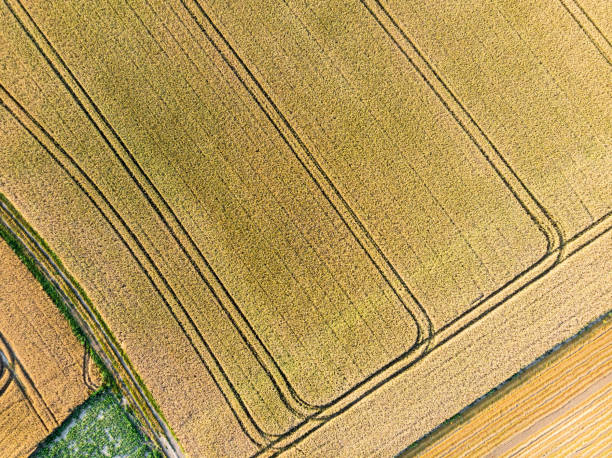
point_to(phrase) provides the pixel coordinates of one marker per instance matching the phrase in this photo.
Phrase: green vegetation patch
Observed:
(98, 428)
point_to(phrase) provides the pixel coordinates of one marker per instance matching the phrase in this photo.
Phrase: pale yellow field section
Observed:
(560, 406)
(277, 207)
(44, 371)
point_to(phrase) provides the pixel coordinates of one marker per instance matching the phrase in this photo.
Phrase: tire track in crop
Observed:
(275, 374)
(29, 402)
(589, 28)
(539, 215)
(6, 361)
(12, 364)
(315, 171)
(243, 419)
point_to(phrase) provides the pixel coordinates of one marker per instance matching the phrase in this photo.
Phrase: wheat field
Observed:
(311, 227)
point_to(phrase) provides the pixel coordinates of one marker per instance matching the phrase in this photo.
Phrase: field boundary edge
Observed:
(77, 308)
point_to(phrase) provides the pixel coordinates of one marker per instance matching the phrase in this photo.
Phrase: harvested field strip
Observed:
(544, 408)
(586, 422)
(98, 336)
(588, 431)
(343, 110)
(543, 48)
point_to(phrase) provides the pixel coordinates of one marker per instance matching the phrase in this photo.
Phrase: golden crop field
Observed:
(559, 406)
(44, 370)
(293, 226)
